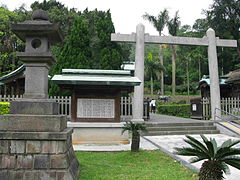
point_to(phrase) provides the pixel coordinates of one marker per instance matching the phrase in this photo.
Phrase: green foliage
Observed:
(133, 127)
(8, 41)
(58, 13)
(218, 157)
(88, 44)
(179, 110)
(4, 108)
(76, 51)
(173, 25)
(224, 17)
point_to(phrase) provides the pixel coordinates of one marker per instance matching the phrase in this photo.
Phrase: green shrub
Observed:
(179, 110)
(4, 108)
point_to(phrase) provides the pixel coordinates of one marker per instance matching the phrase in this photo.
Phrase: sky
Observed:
(126, 14)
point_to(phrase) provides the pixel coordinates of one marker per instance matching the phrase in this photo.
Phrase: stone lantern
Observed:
(35, 142)
(38, 34)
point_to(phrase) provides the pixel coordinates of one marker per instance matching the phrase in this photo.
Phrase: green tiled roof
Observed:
(95, 71)
(96, 77)
(206, 80)
(12, 74)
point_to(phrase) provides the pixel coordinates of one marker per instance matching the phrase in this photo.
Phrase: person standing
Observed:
(153, 105)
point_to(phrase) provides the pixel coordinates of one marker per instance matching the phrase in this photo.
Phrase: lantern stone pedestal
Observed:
(35, 142)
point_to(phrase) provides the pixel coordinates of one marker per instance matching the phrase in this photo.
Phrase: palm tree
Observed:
(159, 23)
(217, 158)
(135, 129)
(173, 27)
(152, 67)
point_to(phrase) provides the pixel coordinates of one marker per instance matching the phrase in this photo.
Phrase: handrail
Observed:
(220, 117)
(228, 121)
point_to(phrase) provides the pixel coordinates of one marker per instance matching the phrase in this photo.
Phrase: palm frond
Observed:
(233, 161)
(186, 151)
(210, 146)
(214, 143)
(224, 152)
(229, 143)
(133, 127)
(173, 24)
(162, 20)
(158, 22)
(225, 168)
(196, 159)
(151, 19)
(196, 143)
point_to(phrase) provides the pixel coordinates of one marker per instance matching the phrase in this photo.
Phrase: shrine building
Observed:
(96, 93)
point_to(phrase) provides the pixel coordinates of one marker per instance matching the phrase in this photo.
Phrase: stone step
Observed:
(156, 128)
(179, 124)
(158, 133)
(180, 128)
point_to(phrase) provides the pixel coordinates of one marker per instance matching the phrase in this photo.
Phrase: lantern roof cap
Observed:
(39, 27)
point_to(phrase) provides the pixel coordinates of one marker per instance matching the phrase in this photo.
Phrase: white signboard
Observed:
(95, 108)
(194, 107)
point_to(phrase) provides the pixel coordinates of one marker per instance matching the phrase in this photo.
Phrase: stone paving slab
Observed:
(160, 118)
(165, 143)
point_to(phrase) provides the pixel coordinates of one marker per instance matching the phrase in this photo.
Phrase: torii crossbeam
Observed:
(140, 38)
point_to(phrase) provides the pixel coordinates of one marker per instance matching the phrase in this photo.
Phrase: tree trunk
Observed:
(173, 69)
(135, 141)
(162, 76)
(151, 86)
(238, 47)
(188, 91)
(211, 170)
(199, 69)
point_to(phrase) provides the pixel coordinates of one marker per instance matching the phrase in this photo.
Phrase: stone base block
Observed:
(41, 157)
(34, 106)
(33, 123)
(98, 133)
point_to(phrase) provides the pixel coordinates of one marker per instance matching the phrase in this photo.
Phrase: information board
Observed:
(95, 108)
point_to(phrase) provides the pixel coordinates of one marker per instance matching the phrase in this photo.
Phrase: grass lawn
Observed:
(144, 165)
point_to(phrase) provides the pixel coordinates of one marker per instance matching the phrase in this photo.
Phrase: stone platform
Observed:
(98, 133)
(37, 154)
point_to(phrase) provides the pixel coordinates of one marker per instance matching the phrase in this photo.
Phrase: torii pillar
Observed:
(211, 41)
(139, 73)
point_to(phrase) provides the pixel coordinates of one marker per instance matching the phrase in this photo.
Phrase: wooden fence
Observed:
(230, 105)
(63, 101)
(65, 105)
(126, 108)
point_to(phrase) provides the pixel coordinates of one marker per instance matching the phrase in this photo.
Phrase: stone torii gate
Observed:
(140, 38)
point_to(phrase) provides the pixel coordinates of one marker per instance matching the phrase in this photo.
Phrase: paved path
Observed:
(171, 119)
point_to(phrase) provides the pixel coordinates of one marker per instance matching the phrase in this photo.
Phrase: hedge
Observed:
(179, 110)
(4, 108)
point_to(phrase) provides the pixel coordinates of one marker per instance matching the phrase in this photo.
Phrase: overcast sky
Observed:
(126, 14)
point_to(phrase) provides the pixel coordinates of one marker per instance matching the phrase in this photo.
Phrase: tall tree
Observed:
(76, 52)
(88, 45)
(152, 67)
(173, 27)
(224, 17)
(58, 13)
(159, 23)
